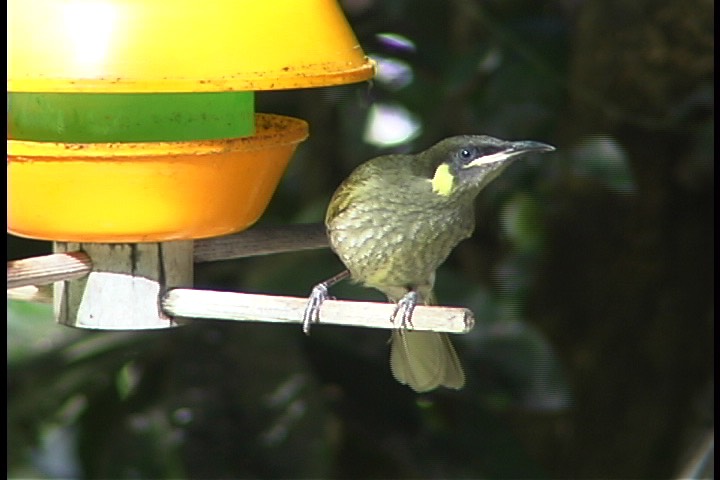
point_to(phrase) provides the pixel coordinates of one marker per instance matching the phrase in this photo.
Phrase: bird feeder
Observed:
(132, 132)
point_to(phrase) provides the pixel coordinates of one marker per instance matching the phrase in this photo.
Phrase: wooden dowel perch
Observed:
(262, 240)
(209, 304)
(190, 303)
(47, 269)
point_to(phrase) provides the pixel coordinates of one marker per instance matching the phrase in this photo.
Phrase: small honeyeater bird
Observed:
(394, 221)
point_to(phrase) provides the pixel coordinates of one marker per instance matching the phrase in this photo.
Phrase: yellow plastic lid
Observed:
(116, 46)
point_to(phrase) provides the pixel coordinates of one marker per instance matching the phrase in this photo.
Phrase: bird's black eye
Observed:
(466, 153)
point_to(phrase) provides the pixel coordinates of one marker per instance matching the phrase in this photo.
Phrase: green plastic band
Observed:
(129, 117)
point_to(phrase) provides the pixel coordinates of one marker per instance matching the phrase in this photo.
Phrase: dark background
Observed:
(590, 276)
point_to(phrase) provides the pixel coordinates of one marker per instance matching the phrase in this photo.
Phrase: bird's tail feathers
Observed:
(425, 360)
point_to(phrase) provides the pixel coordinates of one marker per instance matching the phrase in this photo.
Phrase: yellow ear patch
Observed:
(442, 181)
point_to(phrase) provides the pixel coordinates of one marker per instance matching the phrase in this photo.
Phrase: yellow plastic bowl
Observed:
(180, 46)
(142, 192)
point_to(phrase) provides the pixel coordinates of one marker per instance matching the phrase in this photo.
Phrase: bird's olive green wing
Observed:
(339, 202)
(343, 196)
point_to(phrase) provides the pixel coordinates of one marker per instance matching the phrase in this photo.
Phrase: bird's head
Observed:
(469, 162)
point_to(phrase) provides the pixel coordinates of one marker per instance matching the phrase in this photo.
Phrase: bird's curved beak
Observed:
(525, 146)
(513, 149)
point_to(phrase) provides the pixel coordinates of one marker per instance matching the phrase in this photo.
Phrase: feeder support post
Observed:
(126, 285)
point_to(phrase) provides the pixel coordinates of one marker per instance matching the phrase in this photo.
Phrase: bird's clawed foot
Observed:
(312, 310)
(318, 295)
(404, 309)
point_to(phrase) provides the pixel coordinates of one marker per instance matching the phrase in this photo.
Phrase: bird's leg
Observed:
(405, 308)
(318, 295)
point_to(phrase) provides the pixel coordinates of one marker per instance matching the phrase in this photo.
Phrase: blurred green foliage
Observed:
(589, 275)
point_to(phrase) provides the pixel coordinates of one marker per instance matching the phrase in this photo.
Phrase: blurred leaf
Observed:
(31, 330)
(521, 222)
(603, 159)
